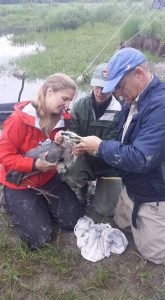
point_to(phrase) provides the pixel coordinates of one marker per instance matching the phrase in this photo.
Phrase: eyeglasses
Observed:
(120, 85)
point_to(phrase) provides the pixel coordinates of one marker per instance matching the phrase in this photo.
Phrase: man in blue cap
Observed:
(96, 114)
(138, 152)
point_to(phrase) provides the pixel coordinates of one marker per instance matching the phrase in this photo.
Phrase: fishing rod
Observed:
(82, 77)
(147, 25)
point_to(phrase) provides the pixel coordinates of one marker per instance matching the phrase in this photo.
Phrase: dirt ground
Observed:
(59, 272)
(158, 69)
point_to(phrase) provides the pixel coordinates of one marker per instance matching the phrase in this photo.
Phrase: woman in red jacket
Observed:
(30, 123)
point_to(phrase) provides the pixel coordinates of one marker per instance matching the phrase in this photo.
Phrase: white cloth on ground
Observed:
(97, 241)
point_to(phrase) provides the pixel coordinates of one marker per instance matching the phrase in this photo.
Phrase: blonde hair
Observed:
(56, 82)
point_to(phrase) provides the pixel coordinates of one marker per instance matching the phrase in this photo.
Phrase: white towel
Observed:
(97, 241)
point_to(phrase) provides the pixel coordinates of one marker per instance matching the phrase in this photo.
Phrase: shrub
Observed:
(130, 28)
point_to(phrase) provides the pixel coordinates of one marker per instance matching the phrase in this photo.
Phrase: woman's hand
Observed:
(59, 137)
(88, 144)
(44, 166)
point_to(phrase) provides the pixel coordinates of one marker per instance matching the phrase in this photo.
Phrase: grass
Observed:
(70, 52)
(58, 271)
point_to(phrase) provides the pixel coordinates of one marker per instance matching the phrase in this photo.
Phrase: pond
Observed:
(9, 85)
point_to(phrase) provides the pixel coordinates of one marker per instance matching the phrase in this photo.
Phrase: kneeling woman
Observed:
(30, 123)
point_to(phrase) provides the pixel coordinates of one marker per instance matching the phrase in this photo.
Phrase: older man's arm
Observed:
(146, 151)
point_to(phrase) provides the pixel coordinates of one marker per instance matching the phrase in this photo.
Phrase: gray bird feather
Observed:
(49, 151)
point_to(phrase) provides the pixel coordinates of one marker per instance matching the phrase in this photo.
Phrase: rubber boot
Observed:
(2, 200)
(107, 194)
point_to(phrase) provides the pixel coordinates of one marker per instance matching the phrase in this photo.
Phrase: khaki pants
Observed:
(149, 236)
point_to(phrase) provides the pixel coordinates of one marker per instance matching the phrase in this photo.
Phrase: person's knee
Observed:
(151, 249)
(36, 238)
(69, 220)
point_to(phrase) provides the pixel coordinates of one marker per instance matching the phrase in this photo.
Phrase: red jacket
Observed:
(21, 132)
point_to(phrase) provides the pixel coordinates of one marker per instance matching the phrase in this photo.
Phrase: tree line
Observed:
(33, 1)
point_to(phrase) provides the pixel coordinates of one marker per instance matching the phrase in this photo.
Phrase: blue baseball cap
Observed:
(99, 77)
(120, 63)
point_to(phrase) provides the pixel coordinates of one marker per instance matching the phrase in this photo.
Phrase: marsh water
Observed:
(9, 85)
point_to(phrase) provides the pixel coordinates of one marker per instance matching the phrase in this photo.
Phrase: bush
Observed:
(130, 28)
(70, 18)
(153, 29)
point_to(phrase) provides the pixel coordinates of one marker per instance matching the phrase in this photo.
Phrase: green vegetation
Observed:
(75, 33)
(152, 25)
(70, 51)
(131, 28)
(58, 271)
(38, 18)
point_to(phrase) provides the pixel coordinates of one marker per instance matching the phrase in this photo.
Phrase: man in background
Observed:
(96, 114)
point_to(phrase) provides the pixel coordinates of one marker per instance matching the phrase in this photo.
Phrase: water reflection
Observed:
(9, 85)
(9, 51)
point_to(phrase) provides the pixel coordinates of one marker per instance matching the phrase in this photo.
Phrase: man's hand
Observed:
(89, 144)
